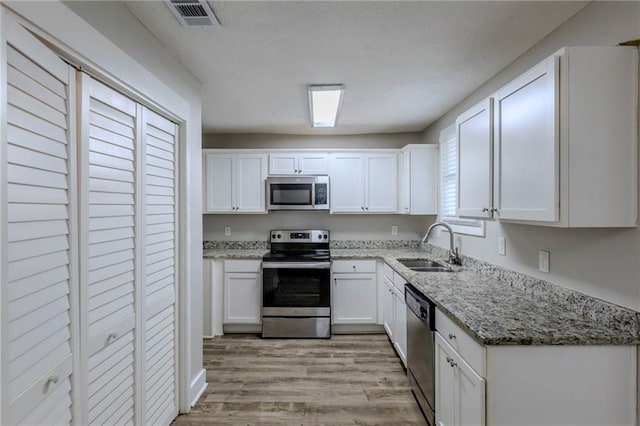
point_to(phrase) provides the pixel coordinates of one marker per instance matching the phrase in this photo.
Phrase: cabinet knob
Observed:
(452, 363)
(452, 336)
(366, 208)
(354, 268)
(335, 281)
(494, 210)
(362, 208)
(112, 336)
(485, 210)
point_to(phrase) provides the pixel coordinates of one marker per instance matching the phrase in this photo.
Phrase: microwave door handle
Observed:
(313, 195)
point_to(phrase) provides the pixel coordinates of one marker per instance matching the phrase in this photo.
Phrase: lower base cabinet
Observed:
(242, 292)
(517, 385)
(394, 312)
(354, 292)
(460, 391)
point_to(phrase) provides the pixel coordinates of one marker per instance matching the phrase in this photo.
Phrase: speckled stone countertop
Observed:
(494, 305)
(495, 313)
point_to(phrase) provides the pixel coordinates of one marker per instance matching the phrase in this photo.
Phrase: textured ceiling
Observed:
(404, 64)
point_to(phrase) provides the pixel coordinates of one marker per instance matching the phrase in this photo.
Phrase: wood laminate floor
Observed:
(347, 380)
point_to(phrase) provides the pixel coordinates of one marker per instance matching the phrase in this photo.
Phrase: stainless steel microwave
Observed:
(298, 193)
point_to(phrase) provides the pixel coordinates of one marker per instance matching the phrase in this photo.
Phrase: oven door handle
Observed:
(296, 265)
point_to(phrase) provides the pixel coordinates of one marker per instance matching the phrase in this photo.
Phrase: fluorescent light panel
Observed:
(324, 104)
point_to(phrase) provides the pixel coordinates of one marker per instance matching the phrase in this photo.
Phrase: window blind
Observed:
(449, 180)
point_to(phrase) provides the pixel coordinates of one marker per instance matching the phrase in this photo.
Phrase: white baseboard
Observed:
(357, 329)
(198, 386)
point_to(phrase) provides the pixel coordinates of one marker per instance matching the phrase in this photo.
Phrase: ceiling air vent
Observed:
(193, 13)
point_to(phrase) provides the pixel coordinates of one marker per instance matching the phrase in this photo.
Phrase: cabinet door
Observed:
(283, 164)
(445, 384)
(219, 184)
(475, 161)
(400, 319)
(405, 183)
(381, 183)
(526, 123)
(313, 163)
(470, 394)
(460, 391)
(388, 306)
(354, 299)
(347, 183)
(242, 298)
(250, 187)
(39, 300)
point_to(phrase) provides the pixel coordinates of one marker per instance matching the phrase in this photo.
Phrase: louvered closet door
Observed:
(159, 276)
(38, 295)
(108, 230)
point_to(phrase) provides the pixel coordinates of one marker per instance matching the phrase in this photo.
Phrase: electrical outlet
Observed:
(502, 246)
(394, 229)
(227, 231)
(543, 261)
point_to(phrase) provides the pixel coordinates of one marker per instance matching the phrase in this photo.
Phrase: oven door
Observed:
(296, 289)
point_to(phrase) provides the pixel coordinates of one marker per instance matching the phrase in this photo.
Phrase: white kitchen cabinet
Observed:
(388, 307)
(354, 293)
(475, 161)
(513, 385)
(566, 142)
(364, 182)
(418, 179)
(299, 163)
(242, 292)
(460, 391)
(395, 311)
(234, 183)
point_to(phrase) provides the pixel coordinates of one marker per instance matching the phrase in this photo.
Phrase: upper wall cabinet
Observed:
(234, 183)
(475, 161)
(566, 143)
(364, 182)
(418, 179)
(299, 163)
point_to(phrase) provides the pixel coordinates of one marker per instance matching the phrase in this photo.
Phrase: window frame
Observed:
(473, 227)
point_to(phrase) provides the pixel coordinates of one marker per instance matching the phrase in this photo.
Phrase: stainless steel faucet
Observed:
(454, 258)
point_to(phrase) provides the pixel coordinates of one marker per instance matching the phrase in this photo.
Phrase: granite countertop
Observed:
(493, 312)
(226, 253)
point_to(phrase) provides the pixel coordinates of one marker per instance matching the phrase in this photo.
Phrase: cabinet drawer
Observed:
(472, 352)
(354, 266)
(242, 266)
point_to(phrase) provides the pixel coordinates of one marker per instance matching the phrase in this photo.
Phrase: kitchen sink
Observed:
(424, 265)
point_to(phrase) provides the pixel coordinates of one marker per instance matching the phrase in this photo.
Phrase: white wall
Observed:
(600, 262)
(342, 226)
(129, 56)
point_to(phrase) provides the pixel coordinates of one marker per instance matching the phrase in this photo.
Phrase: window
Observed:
(449, 185)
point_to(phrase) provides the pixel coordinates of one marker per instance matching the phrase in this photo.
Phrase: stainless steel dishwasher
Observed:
(421, 350)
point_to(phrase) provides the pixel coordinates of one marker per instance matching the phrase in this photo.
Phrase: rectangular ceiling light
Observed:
(324, 104)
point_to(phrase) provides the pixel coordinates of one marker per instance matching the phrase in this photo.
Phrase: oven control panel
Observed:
(299, 236)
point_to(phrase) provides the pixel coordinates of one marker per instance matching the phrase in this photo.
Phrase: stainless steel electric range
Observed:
(296, 285)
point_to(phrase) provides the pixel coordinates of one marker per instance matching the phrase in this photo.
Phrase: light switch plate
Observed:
(543, 261)
(394, 229)
(227, 231)
(502, 246)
